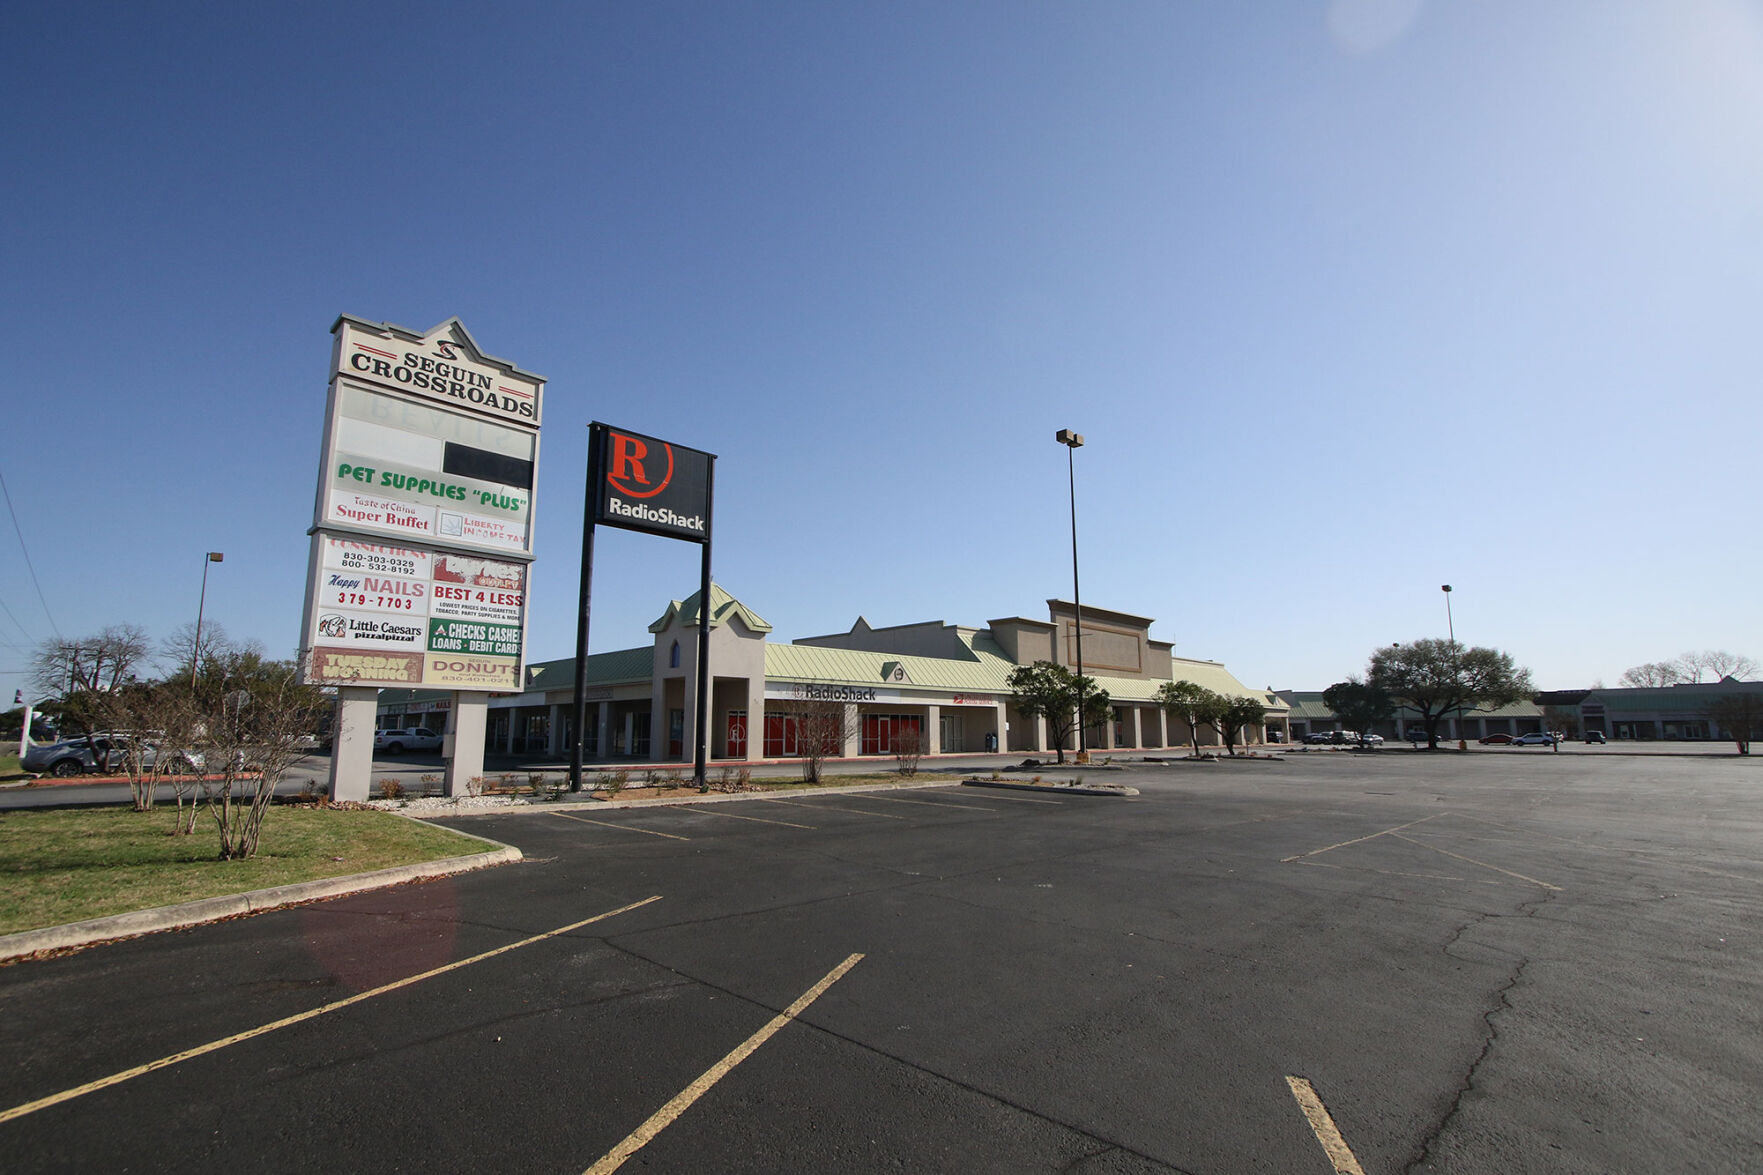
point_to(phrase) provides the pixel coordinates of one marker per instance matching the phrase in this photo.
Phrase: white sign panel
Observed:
(385, 615)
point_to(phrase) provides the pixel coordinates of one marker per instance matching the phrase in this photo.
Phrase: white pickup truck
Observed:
(396, 742)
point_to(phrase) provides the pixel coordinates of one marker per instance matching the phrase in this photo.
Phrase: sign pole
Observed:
(704, 707)
(590, 502)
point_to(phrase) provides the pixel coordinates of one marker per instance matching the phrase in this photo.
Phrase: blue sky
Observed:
(1350, 300)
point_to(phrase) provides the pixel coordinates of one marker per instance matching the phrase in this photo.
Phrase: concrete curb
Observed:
(137, 922)
(687, 796)
(1085, 789)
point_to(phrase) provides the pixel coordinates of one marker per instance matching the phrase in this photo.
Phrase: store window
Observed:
(880, 730)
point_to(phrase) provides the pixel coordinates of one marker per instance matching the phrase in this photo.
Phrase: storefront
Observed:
(931, 689)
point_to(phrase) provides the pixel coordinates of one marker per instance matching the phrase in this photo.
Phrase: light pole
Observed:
(201, 602)
(1074, 441)
(1451, 627)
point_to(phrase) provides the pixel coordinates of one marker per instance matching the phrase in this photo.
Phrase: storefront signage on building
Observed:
(651, 485)
(814, 691)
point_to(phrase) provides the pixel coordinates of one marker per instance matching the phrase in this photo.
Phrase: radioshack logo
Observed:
(630, 464)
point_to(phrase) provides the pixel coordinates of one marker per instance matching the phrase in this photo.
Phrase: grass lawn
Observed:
(9, 768)
(59, 867)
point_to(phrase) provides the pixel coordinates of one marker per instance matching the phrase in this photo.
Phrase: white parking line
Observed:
(754, 819)
(620, 827)
(930, 803)
(835, 808)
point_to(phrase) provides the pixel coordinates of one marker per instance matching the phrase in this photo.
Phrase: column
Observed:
(933, 735)
(1040, 734)
(1108, 741)
(352, 742)
(854, 731)
(553, 730)
(464, 744)
(602, 730)
(1138, 729)
(513, 725)
(1162, 727)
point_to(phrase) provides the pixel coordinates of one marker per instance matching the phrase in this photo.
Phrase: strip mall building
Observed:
(947, 683)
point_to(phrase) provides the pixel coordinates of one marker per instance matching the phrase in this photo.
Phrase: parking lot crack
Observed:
(1502, 1002)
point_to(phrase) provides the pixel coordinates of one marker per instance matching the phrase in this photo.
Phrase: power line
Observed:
(18, 530)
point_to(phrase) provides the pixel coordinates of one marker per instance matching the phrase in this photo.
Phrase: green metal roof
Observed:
(622, 665)
(985, 673)
(722, 606)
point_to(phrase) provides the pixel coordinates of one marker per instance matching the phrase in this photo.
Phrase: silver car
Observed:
(77, 756)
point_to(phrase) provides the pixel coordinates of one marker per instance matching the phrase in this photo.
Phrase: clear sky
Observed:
(1350, 299)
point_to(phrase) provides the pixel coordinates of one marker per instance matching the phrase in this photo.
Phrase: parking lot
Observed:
(1481, 963)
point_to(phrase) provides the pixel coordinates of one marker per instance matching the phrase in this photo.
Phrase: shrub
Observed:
(614, 783)
(390, 789)
(431, 785)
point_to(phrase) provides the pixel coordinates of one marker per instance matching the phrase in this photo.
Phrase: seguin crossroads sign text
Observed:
(651, 485)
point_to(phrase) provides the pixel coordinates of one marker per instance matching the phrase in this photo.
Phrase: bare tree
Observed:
(1740, 716)
(180, 651)
(1691, 667)
(1652, 675)
(163, 733)
(93, 664)
(822, 730)
(908, 748)
(255, 713)
(1720, 664)
(1563, 722)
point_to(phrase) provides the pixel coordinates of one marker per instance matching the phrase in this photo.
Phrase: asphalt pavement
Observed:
(1482, 963)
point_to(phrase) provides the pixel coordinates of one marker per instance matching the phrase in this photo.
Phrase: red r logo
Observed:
(627, 466)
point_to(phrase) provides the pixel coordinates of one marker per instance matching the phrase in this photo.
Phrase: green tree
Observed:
(1194, 704)
(1360, 706)
(1236, 714)
(1435, 677)
(1047, 690)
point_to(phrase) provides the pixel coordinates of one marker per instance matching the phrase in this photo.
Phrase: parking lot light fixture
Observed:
(201, 602)
(1073, 441)
(1451, 627)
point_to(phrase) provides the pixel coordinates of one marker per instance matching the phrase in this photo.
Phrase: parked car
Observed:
(1494, 739)
(77, 756)
(1370, 740)
(1594, 736)
(1317, 738)
(1536, 738)
(396, 742)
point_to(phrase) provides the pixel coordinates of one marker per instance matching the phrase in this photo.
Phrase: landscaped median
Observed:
(68, 878)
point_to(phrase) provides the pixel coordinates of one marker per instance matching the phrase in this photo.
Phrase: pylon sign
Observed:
(638, 482)
(422, 528)
(651, 485)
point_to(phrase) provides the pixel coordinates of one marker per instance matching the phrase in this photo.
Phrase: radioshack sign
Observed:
(651, 485)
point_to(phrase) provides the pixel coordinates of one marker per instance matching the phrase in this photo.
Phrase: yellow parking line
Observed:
(1333, 1145)
(1483, 864)
(665, 1116)
(620, 827)
(835, 808)
(930, 803)
(754, 819)
(288, 1021)
(1361, 839)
